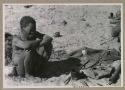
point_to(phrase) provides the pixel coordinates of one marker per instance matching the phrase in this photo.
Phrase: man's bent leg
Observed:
(28, 62)
(18, 69)
(20, 66)
(31, 62)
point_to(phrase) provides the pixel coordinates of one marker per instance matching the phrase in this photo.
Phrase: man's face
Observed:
(28, 31)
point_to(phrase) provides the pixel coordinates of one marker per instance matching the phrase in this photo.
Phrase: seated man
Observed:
(30, 49)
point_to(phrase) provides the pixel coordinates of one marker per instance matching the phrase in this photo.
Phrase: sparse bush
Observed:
(8, 48)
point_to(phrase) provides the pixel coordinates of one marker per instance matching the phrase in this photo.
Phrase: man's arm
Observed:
(25, 44)
(46, 40)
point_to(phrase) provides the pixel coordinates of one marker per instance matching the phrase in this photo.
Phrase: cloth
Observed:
(95, 56)
(97, 63)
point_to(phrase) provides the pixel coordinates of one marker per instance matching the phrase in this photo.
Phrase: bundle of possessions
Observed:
(96, 64)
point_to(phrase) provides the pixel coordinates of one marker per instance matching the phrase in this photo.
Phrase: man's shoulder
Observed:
(16, 38)
(39, 35)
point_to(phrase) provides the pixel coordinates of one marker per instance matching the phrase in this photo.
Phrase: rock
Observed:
(64, 22)
(57, 34)
(28, 6)
(83, 19)
(111, 15)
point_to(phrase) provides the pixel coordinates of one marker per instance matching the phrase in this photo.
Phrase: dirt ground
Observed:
(79, 26)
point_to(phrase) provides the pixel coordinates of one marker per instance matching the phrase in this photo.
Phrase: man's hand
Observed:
(46, 40)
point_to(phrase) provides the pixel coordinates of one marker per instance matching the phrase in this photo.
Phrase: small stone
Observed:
(28, 6)
(57, 34)
(64, 22)
(111, 15)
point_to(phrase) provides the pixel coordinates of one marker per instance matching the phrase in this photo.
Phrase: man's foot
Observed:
(13, 73)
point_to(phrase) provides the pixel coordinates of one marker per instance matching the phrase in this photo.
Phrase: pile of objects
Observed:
(96, 64)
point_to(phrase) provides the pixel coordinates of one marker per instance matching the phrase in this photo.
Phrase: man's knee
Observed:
(45, 52)
(17, 58)
(29, 55)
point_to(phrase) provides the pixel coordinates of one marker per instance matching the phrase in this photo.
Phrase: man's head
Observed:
(28, 26)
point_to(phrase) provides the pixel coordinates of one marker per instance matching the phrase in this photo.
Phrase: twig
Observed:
(67, 80)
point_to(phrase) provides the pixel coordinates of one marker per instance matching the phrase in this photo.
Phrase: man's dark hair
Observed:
(26, 20)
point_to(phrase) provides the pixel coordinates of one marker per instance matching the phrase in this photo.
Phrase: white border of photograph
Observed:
(4, 86)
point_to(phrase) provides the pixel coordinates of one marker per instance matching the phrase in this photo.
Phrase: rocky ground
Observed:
(79, 26)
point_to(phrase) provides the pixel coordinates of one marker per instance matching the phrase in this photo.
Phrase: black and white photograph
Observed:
(62, 45)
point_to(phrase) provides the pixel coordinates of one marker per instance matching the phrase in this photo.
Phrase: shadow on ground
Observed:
(57, 68)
